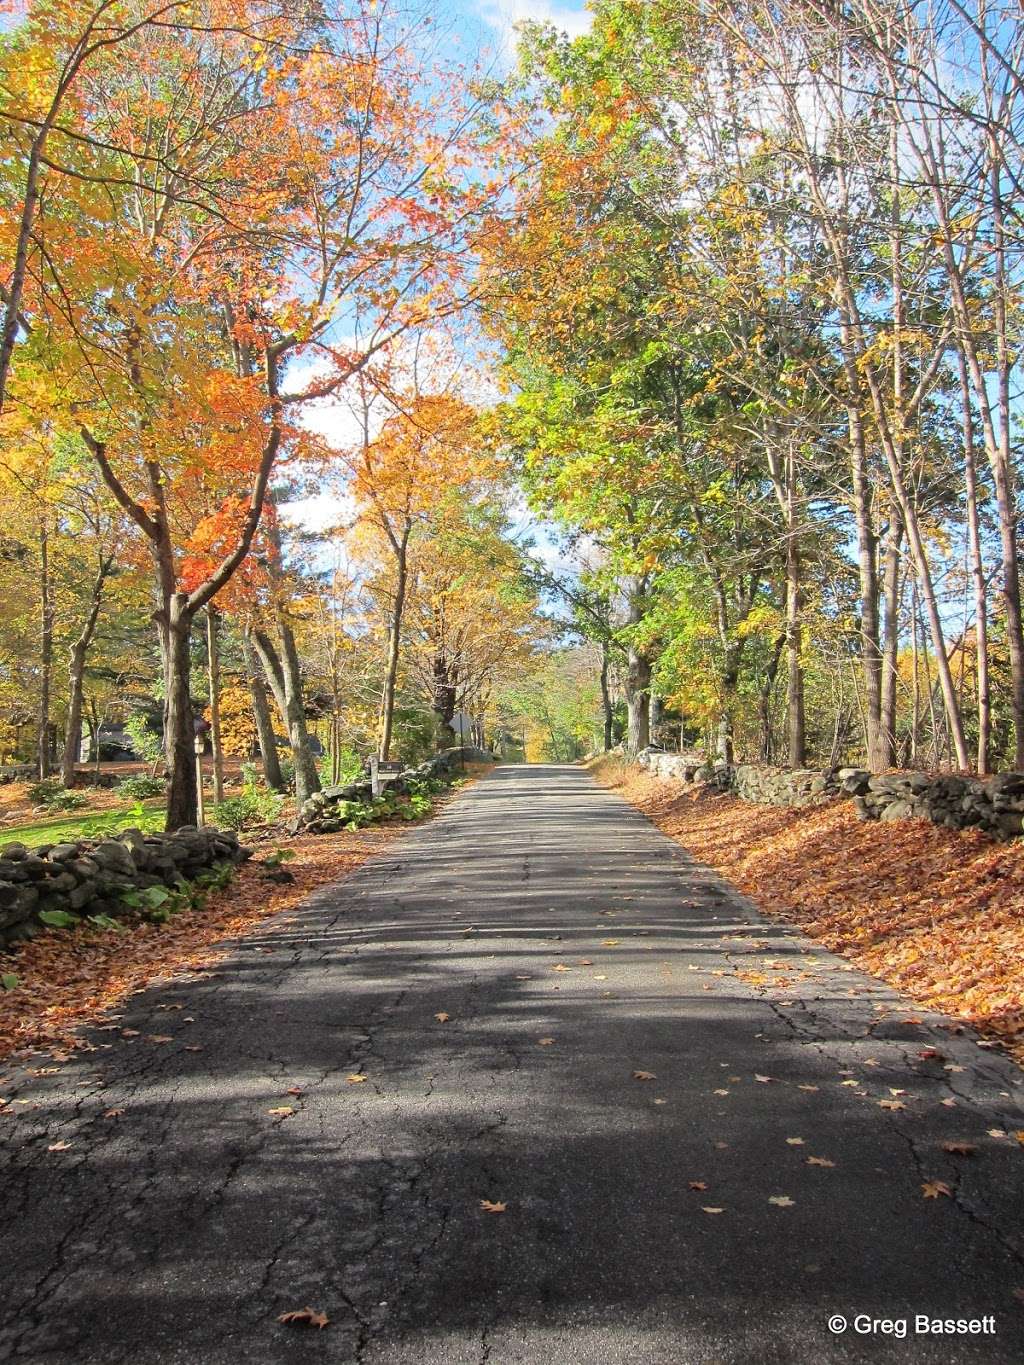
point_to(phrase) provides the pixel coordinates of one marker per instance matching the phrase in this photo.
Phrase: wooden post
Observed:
(200, 806)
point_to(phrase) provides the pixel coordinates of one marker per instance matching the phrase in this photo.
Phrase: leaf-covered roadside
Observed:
(67, 980)
(937, 914)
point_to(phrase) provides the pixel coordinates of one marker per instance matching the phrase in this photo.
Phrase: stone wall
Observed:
(89, 877)
(324, 812)
(994, 804)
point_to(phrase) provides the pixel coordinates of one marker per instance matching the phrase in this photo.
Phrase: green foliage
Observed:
(279, 856)
(253, 806)
(105, 922)
(52, 796)
(58, 919)
(350, 767)
(158, 903)
(146, 742)
(215, 878)
(9, 981)
(140, 786)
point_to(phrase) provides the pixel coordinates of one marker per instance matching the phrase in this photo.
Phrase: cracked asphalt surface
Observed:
(537, 906)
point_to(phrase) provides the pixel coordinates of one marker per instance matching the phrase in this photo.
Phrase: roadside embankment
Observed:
(937, 913)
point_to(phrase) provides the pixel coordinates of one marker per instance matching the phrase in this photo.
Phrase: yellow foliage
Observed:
(237, 727)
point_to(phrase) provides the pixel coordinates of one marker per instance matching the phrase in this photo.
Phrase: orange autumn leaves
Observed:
(936, 913)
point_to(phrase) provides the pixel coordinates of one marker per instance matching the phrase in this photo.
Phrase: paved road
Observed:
(537, 907)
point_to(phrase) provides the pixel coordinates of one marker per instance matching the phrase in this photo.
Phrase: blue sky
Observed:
(496, 19)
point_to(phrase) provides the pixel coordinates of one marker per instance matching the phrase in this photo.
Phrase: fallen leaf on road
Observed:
(610, 942)
(586, 962)
(304, 1317)
(129, 1033)
(644, 1076)
(721, 1146)
(58, 1146)
(545, 1042)
(950, 1104)
(933, 1188)
(294, 1090)
(441, 1017)
(807, 1087)
(159, 1038)
(283, 1110)
(698, 1184)
(193, 1047)
(112, 1113)
(795, 1142)
(661, 1101)
(959, 1148)
(998, 1132)
(781, 1201)
(561, 967)
(705, 1209)
(488, 1207)
(765, 1080)
(721, 1092)
(819, 1161)
(355, 1079)
(600, 978)
(891, 1104)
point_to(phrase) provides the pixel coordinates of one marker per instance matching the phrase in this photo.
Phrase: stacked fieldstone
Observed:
(324, 812)
(89, 876)
(995, 804)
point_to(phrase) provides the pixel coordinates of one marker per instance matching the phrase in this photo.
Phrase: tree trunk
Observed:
(444, 701)
(891, 594)
(638, 677)
(638, 702)
(73, 730)
(795, 675)
(606, 699)
(213, 672)
(285, 680)
(765, 699)
(729, 680)
(261, 715)
(867, 558)
(76, 677)
(387, 708)
(45, 650)
(977, 568)
(179, 729)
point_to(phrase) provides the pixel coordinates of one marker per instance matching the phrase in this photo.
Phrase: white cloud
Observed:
(504, 15)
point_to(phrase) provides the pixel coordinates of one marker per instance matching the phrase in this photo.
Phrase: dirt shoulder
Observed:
(936, 913)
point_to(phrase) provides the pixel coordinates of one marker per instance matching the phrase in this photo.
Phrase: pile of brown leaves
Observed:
(70, 978)
(938, 914)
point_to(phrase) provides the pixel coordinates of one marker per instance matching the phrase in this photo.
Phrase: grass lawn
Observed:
(58, 829)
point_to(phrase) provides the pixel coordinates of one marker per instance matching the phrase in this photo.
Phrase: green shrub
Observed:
(52, 796)
(253, 806)
(140, 786)
(147, 743)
